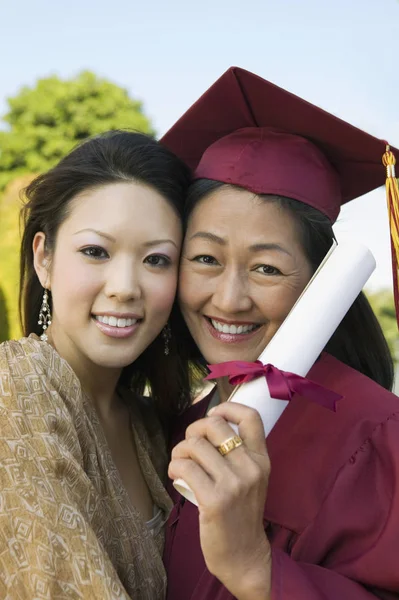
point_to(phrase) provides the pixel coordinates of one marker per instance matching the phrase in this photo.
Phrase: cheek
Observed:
(161, 291)
(73, 279)
(192, 289)
(276, 303)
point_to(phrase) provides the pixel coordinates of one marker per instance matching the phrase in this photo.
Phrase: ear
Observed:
(41, 259)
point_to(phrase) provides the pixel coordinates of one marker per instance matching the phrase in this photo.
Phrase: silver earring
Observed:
(44, 316)
(167, 336)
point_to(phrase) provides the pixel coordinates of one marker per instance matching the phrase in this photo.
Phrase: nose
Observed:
(123, 281)
(231, 294)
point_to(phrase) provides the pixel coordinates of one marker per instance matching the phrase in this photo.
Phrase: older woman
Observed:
(314, 512)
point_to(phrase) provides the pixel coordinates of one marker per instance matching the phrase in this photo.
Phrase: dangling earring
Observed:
(167, 336)
(44, 316)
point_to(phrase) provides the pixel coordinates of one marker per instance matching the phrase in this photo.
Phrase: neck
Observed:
(224, 389)
(100, 387)
(98, 383)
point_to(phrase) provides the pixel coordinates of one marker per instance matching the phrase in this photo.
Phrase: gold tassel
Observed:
(392, 191)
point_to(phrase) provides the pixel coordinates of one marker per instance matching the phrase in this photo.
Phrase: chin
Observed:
(113, 361)
(219, 357)
(226, 356)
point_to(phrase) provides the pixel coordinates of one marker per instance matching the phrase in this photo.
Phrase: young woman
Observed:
(313, 514)
(82, 456)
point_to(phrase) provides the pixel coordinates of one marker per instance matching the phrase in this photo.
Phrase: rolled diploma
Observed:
(306, 330)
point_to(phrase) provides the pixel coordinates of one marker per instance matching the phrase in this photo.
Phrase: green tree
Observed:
(4, 327)
(383, 305)
(10, 205)
(46, 121)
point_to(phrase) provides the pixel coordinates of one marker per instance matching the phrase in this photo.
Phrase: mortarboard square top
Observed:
(248, 132)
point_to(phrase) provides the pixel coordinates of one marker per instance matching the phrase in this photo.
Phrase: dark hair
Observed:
(358, 341)
(115, 156)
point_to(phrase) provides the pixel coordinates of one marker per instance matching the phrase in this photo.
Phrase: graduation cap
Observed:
(249, 132)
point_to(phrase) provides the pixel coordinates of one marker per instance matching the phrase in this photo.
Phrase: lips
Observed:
(116, 327)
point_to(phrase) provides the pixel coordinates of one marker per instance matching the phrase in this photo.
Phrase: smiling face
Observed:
(112, 275)
(243, 268)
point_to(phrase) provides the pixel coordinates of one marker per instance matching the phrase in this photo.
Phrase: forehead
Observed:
(121, 206)
(240, 213)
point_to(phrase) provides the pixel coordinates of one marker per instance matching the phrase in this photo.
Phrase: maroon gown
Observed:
(332, 509)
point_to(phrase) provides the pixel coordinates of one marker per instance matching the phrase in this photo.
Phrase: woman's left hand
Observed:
(231, 492)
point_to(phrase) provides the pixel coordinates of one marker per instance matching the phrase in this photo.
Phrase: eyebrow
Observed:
(206, 235)
(156, 242)
(112, 239)
(211, 237)
(272, 246)
(100, 233)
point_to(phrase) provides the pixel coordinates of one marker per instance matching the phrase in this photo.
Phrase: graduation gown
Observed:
(332, 508)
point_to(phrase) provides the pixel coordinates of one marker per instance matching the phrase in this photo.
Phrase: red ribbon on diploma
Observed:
(282, 384)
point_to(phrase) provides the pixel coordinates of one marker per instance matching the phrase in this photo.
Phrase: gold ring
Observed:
(230, 444)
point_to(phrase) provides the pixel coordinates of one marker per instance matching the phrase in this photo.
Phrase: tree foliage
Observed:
(4, 326)
(10, 206)
(45, 122)
(383, 305)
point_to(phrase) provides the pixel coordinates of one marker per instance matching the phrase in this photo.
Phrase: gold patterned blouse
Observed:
(67, 527)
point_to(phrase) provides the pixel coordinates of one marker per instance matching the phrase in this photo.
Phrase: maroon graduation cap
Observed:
(248, 132)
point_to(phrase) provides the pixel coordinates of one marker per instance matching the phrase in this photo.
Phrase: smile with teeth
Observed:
(233, 329)
(114, 322)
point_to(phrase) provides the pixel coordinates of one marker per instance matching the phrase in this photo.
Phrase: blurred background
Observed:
(70, 70)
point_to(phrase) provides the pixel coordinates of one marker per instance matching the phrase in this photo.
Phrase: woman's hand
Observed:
(231, 493)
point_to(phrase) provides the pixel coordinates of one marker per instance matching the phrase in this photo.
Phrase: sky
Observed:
(339, 55)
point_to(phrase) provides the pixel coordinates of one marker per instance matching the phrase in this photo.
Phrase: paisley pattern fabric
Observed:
(67, 527)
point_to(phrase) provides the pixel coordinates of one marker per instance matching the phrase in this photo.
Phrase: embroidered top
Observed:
(67, 526)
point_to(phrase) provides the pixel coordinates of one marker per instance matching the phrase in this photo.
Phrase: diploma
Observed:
(306, 330)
